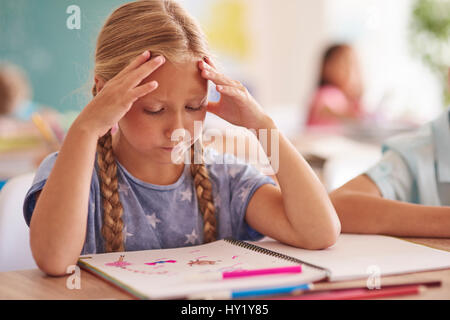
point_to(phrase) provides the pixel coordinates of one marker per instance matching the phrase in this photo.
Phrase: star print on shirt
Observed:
(126, 233)
(186, 195)
(234, 170)
(244, 193)
(191, 238)
(124, 189)
(153, 220)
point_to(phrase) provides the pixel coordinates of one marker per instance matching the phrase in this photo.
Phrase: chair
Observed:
(15, 252)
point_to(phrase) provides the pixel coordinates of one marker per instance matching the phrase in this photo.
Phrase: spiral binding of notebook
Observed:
(268, 252)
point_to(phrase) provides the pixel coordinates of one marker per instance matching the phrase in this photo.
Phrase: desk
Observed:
(33, 284)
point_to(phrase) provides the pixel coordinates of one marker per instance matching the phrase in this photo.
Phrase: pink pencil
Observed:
(246, 273)
(358, 294)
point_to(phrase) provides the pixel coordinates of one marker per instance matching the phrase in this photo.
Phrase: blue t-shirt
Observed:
(161, 217)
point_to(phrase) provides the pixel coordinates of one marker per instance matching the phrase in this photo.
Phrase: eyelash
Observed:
(160, 111)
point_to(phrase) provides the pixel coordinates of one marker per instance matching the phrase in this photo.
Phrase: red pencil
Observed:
(359, 294)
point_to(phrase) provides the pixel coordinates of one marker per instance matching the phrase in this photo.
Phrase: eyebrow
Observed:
(196, 99)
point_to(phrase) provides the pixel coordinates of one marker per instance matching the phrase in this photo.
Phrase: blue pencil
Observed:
(252, 293)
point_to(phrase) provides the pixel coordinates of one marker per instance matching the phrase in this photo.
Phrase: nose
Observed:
(175, 123)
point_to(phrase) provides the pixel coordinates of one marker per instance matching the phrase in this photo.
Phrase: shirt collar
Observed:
(441, 134)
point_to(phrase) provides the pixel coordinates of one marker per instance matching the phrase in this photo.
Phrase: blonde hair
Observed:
(164, 28)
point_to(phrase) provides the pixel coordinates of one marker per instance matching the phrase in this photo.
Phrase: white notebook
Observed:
(359, 256)
(162, 274)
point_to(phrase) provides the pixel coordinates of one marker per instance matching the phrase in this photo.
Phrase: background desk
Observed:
(33, 284)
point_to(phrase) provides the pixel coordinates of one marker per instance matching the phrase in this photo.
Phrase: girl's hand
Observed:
(117, 96)
(236, 105)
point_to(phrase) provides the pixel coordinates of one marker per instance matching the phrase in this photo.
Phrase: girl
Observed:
(129, 195)
(338, 98)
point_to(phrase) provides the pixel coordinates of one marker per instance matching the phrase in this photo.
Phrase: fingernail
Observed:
(160, 59)
(146, 53)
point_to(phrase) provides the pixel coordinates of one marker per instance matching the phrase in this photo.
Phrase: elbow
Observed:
(326, 239)
(52, 265)
(328, 234)
(321, 237)
(52, 270)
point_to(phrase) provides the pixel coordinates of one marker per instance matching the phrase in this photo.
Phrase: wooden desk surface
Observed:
(33, 284)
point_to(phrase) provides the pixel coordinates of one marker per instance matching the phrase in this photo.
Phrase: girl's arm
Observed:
(58, 224)
(362, 209)
(299, 211)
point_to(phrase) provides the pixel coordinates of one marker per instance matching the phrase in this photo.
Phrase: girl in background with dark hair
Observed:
(338, 97)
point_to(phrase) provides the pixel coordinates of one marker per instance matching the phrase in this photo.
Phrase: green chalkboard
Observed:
(34, 34)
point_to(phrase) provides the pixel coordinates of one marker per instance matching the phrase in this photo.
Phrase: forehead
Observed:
(177, 82)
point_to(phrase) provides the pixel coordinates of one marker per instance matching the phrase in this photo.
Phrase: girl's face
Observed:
(180, 100)
(343, 70)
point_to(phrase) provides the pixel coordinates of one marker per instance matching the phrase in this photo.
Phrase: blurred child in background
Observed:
(338, 97)
(25, 125)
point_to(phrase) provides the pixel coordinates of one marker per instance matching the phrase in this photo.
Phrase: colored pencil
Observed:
(358, 294)
(244, 273)
(251, 293)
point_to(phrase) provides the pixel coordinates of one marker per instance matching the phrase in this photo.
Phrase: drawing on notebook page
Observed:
(199, 262)
(150, 274)
(160, 261)
(119, 263)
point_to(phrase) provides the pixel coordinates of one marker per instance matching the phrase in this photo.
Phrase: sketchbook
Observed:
(165, 274)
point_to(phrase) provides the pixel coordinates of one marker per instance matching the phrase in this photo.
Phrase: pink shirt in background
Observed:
(334, 99)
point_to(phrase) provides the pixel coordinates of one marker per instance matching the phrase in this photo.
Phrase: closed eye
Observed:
(195, 109)
(153, 112)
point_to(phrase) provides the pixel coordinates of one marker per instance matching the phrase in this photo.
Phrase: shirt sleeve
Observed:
(38, 184)
(244, 181)
(42, 174)
(393, 177)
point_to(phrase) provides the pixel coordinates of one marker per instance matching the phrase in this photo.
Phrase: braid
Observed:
(112, 207)
(109, 186)
(203, 189)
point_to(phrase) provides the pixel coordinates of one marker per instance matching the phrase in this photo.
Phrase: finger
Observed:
(138, 75)
(231, 91)
(143, 90)
(142, 58)
(209, 61)
(211, 74)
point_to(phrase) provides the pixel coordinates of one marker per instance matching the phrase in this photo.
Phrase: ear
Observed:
(99, 83)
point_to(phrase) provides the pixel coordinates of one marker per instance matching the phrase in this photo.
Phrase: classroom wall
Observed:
(59, 61)
(284, 41)
(34, 35)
